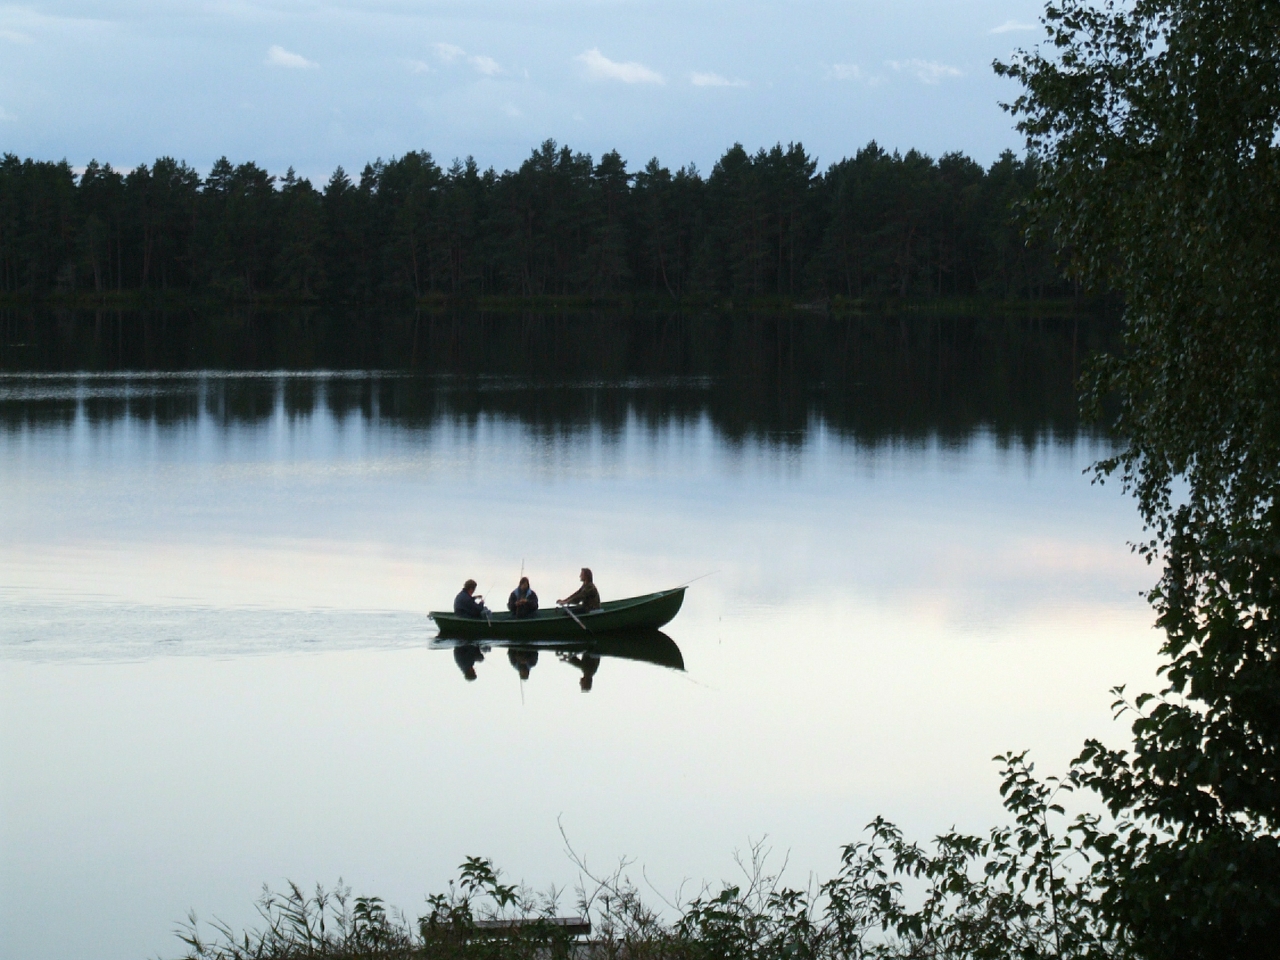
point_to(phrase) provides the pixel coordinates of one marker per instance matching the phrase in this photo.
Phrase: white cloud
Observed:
(1009, 26)
(419, 66)
(449, 53)
(600, 67)
(14, 36)
(926, 71)
(278, 56)
(512, 111)
(714, 80)
(851, 71)
(6, 116)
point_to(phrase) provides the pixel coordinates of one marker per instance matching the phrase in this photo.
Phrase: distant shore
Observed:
(139, 300)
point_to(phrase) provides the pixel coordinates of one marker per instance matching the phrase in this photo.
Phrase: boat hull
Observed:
(635, 613)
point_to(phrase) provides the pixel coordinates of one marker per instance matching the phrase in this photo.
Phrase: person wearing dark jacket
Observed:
(523, 602)
(586, 598)
(466, 604)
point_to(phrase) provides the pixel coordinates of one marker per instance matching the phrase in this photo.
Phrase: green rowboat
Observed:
(635, 613)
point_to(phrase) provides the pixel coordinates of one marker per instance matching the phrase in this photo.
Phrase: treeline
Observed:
(879, 225)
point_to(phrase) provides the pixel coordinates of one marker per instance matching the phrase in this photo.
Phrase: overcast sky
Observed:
(314, 85)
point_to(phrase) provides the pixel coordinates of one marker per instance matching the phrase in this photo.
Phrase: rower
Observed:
(586, 598)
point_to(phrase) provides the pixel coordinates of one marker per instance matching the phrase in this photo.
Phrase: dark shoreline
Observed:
(134, 300)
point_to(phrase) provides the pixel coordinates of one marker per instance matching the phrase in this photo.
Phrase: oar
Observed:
(574, 615)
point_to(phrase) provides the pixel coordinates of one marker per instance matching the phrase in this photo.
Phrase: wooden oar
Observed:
(566, 609)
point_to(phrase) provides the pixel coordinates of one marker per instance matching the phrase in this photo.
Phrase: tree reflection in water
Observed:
(768, 376)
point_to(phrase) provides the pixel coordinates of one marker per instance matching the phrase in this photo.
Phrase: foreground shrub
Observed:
(1024, 891)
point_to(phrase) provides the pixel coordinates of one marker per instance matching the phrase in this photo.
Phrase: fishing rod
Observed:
(519, 601)
(696, 579)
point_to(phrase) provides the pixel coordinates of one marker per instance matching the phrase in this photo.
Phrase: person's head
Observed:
(522, 668)
(585, 684)
(585, 575)
(524, 583)
(469, 587)
(469, 672)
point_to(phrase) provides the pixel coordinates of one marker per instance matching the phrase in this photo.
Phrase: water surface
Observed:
(216, 669)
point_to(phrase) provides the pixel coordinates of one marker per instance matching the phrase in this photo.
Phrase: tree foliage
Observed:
(766, 224)
(1158, 125)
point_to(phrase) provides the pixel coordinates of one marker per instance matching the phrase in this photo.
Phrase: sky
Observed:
(314, 85)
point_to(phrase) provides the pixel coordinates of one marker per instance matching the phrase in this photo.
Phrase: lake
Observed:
(216, 668)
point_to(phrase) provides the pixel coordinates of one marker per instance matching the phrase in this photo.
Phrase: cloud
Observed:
(1009, 26)
(600, 67)
(851, 71)
(419, 66)
(714, 80)
(14, 36)
(278, 56)
(926, 71)
(451, 53)
(512, 111)
(6, 116)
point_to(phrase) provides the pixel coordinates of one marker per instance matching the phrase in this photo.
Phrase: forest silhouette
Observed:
(878, 226)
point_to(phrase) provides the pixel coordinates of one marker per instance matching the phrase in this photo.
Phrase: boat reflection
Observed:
(587, 662)
(523, 658)
(466, 656)
(585, 654)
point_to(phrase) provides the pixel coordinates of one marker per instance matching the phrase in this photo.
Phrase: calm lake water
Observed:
(216, 668)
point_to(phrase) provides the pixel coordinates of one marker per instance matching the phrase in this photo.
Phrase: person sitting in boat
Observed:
(586, 598)
(466, 656)
(523, 602)
(467, 604)
(522, 660)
